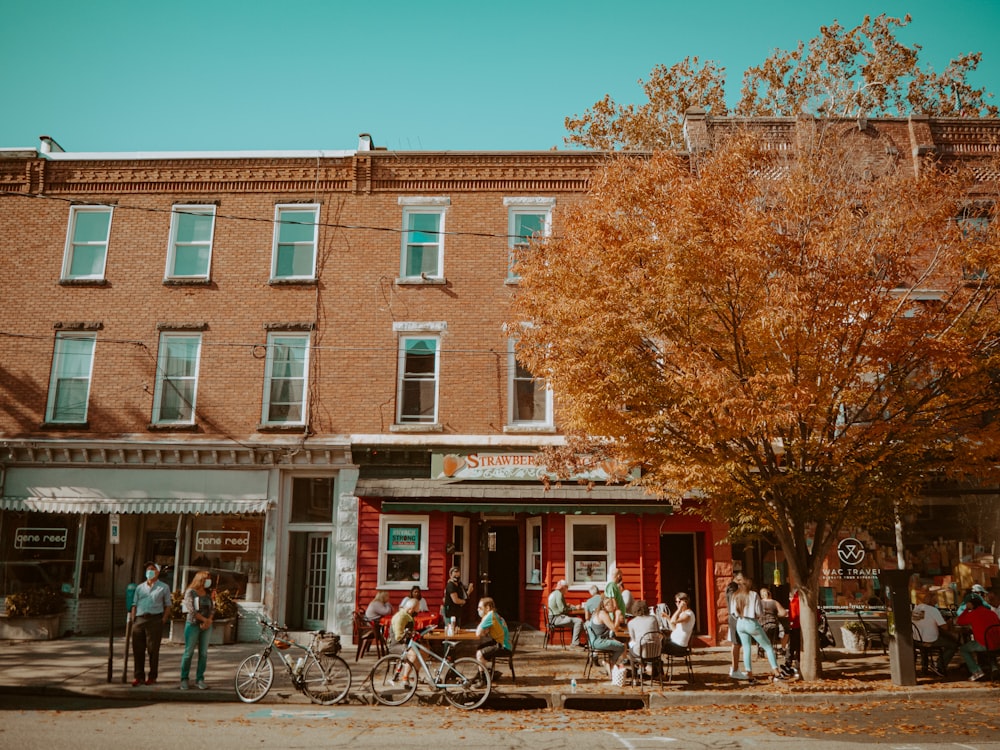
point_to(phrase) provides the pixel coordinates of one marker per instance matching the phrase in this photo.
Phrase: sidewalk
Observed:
(79, 666)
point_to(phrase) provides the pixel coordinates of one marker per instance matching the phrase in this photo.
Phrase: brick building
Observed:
(293, 368)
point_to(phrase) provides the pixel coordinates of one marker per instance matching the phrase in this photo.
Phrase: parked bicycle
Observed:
(318, 672)
(465, 682)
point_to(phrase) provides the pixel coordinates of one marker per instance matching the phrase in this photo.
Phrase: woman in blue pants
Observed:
(746, 608)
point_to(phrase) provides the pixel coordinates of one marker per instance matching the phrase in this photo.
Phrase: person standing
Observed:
(792, 654)
(561, 614)
(614, 591)
(200, 609)
(746, 608)
(456, 594)
(734, 637)
(150, 612)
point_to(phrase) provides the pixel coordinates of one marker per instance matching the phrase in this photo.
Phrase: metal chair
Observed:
(551, 629)
(684, 659)
(874, 634)
(514, 638)
(367, 633)
(650, 655)
(594, 655)
(924, 650)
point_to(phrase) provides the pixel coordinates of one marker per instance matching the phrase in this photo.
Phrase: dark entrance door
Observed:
(679, 572)
(502, 579)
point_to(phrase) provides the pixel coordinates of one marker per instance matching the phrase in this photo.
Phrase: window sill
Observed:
(421, 281)
(187, 282)
(428, 427)
(292, 282)
(83, 282)
(65, 425)
(512, 281)
(529, 429)
(269, 427)
(173, 428)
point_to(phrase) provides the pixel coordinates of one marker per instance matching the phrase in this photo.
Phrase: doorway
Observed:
(501, 579)
(679, 572)
(308, 577)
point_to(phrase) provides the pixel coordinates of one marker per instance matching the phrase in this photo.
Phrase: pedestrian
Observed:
(199, 609)
(150, 613)
(456, 594)
(734, 639)
(747, 609)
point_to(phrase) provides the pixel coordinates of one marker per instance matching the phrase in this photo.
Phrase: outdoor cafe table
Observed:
(467, 641)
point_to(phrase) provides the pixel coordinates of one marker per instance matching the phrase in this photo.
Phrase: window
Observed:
(285, 380)
(295, 232)
(533, 527)
(527, 218)
(460, 545)
(402, 559)
(87, 243)
(590, 549)
(530, 398)
(418, 380)
(176, 378)
(423, 238)
(312, 500)
(69, 387)
(189, 255)
(975, 225)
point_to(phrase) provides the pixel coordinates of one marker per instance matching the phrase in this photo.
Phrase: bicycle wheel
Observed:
(467, 683)
(387, 683)
(326, 679)
(254, 676)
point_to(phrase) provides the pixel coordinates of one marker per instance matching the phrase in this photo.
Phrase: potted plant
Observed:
(32, 614)
(223, 622)
(853, 635)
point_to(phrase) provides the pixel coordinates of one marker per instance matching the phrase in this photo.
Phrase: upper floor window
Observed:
(974, 223)
(189, 255)
(530, 398)
(87, 242)
(296, 229)
(423, 238)
(527, 218)
(176, 378)
(418, 380)
(69, 385)
(285, 380)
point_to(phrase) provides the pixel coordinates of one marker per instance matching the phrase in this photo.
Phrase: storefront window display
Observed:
(39, 550)
(231, 547)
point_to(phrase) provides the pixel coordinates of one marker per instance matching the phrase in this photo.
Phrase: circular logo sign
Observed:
(850, 551)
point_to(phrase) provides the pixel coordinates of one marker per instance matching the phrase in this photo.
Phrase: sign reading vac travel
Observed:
(222, 541)
(40, 538)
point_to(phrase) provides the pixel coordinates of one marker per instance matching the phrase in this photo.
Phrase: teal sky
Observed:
(143, 75)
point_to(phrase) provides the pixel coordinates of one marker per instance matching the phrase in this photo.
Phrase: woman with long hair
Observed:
(746, 607)
(200, 609)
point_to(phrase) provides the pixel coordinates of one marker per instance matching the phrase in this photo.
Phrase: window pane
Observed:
(529, 225)
(303, 230)
(91, 226)
(421, 259)
(87, 260)
(191, 261)
(194, 227)
(590, 537)
(423, 228)
(418, 400)
(530, 399)
(182, 355)
(71, 400)
(312, 500)
(294, 260)
(175, 404)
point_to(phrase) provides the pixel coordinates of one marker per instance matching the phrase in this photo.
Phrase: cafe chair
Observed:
(595, 656)
(551, 629)
(366, 634)
(684, 660)
(991, 656)
(924, 650)
(514, 638)
(874, 634)
(650, 655)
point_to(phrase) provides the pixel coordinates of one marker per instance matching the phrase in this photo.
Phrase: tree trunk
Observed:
(811, 662)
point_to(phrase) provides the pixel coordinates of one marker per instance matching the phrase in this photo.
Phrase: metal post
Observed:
(900, 625)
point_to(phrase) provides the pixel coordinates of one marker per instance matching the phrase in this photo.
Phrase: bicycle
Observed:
(465, 682)
(322, 675)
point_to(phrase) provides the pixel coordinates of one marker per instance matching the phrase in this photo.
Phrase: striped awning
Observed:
(133, 505)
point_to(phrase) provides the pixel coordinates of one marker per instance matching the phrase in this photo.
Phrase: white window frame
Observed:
(414, 205)
(161, 377)
(571, 522)
(71, 245)
(384, 522)
(178, 212)
(513, 379)
(461, 523)
(409, 332)
(518, 207)
(59, 375)
(274, 339)
(533, 528)
(313, 244)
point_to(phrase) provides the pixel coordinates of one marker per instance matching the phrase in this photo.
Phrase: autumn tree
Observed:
(793, 340)
(863, 71)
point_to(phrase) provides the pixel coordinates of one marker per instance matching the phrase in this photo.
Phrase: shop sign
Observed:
(851, 553)
(27, 538)
(591, 570)
(404, 538)
(222, 541)
(502, 466)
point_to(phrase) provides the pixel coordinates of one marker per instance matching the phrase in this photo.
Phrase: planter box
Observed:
(43, 628)
(223, 631)
(852, 642)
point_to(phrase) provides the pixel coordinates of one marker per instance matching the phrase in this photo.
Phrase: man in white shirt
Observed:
(681, 626)
(561, 614)
(930, 628)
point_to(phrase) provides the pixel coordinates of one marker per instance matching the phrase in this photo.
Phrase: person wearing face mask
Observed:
(200, 609)
(150, 612)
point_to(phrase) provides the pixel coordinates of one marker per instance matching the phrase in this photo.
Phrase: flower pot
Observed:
(851, 640)
(40, 628)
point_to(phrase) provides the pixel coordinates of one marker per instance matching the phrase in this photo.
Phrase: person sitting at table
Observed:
(602, 630)
(590, 606)
(638, 626)
(378, 607)
(681, 626)
(492, 625)
(415, 593)
(400, 632)
(931, 627)
(560, 613)
(978, 616)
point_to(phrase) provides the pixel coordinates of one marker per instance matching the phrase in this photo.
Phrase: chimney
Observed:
(49, 145)
(364, 142)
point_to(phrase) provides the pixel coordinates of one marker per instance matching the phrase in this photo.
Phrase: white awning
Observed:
(107, 490)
